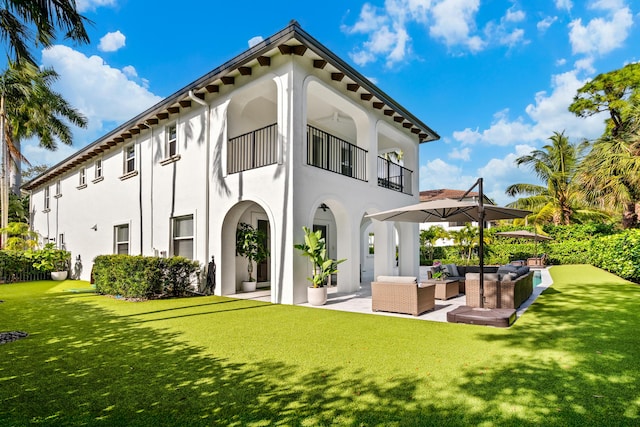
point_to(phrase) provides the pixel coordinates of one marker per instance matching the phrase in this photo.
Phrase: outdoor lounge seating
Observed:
(458, 272)
(402, 294)
(501, 290)
(537, 261)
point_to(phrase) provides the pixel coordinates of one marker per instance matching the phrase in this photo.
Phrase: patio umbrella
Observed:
(525, 234)
(458, 211)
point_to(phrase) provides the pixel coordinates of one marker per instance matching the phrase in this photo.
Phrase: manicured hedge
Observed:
(619, 254)
(143, 277)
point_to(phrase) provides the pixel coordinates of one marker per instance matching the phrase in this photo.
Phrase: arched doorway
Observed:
(234, 267)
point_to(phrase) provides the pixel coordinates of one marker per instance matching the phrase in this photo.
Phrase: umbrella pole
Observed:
(481, 245)
(481, 227)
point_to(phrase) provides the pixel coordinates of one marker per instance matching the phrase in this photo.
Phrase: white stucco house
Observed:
(284, 135)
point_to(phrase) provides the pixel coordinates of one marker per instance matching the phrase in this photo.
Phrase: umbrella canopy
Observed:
(524, 234)
(458, 211)
(448, 210)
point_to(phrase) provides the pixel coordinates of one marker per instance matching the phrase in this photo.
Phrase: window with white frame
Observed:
(61, 244)
(46, 198)
(129, 159)
(183, 236)
(82, 181)
(121, 239)
(171, 140)
(58, 188)
(98, 169)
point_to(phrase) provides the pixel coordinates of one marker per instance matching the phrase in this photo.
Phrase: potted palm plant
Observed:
(315, 248)
(250, 243)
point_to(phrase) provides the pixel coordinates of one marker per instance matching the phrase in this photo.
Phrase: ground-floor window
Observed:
(121, 239)
(183, 236)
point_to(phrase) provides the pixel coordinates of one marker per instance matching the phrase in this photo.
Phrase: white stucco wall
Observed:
(287, 193)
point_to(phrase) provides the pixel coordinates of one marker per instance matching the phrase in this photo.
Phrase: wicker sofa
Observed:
(462, 270)
(500, 290)
(401, 294)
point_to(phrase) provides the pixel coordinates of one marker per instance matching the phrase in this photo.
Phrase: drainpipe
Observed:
(151, 219)
(206, 181)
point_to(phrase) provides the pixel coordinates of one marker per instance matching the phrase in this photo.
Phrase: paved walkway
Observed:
(360, 301)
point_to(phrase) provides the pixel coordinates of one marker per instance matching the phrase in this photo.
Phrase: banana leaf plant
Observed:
(315, 248)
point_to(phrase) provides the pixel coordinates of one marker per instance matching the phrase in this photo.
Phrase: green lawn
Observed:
(573, 359)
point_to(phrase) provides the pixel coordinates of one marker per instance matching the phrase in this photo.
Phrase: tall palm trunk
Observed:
(4, 191)
(630, 215)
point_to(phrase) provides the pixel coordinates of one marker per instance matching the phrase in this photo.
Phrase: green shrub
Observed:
(619, 254)
(143, 277)
(15, 266)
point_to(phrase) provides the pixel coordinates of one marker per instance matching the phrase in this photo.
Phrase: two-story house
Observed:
(282, 136)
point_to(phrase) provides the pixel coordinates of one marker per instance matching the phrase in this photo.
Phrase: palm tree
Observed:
(30, 108)
(428, 239)
(26, 23)
(33, 109)
(466, 238)
(610, 173)
(555, 164)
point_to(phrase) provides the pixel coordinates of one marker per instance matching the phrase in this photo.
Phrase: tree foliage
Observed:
(611, 93)
(24, 24)
(560, 200)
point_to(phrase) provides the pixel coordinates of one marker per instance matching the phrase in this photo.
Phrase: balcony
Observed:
(253, 149)
(333, 154)
(393, 176)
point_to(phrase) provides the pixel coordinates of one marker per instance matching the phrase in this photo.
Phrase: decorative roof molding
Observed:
(297, 42)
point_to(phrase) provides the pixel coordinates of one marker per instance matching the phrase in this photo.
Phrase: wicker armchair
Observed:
(402, 295)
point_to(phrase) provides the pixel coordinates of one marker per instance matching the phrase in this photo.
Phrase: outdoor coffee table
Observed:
(445, 288)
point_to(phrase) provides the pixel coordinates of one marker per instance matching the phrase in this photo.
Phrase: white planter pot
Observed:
(248, 286)
(317, 296)
(59, 275)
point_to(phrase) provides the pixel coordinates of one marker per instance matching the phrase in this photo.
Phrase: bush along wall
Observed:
(16, 266)
(618, 254)
(143, 277)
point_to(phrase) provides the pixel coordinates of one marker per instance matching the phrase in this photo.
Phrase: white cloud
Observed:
(437, 173)
(454, 23)
(601, 35)
(504, 33)
(255, 40)
(461, 153)
(549, 113)
(564, 5)
(386, 30)
(546, 23)
(111, 42)
(514, 15)
(86, 5)
(105, 95)
(560, 62)
(130, 71)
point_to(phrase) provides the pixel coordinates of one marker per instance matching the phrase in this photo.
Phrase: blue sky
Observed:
(494, 78)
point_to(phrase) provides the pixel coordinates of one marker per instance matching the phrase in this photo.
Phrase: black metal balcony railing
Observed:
(253, 149)
(393, 176)
(331, 153)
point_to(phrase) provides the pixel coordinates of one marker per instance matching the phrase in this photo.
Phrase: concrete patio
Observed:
(360, 301)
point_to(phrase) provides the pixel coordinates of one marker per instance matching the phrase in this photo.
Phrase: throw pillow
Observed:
(452, 270)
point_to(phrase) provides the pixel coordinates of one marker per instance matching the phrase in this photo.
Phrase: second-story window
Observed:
(171, 140)
(46, 198)
(98, 169)
(58, 188)
(129, 159)
(82, 177)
